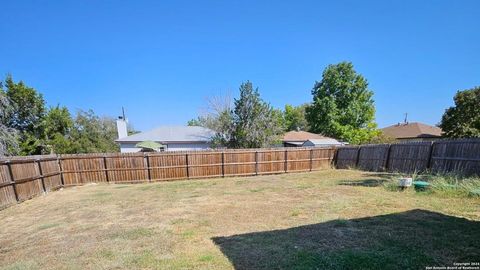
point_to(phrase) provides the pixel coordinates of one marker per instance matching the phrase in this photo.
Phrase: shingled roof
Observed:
(301, 136)
(412, 130)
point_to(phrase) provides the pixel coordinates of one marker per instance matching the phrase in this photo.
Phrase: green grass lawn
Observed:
(333, 219)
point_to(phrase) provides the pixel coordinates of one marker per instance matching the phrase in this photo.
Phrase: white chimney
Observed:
(122, 127)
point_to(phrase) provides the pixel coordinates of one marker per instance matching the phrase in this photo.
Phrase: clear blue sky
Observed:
(160, 59)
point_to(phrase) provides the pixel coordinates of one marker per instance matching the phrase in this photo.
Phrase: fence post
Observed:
(286, 160)
(42, 179)
(146, 162)
(256, 162)
(334, 158)
(105, 168)
(223, 164)
(387, 161)
(59, 161)
(12, 180)
(311, 159)
(186, 162)
(358, 157)
(430, 153)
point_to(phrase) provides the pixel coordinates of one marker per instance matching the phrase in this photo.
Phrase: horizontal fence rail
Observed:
(443, 156)
(22, 178)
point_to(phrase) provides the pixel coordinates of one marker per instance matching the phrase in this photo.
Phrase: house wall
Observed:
(130, 147)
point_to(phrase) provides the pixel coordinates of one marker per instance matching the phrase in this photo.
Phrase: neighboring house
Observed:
(412, 132)
(299, 138)
(325, 142)
(174, 138)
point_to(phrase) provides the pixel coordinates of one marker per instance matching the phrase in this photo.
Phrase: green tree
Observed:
(250, 123)
(58, 124)
(463, 119)
(217, 116)
(29, 106)
(279, 117)
(93, 134)
(27, 116)
(295, 117)
(8, 136)
(222, 124)
(343, 106)
(255, 123)
(195, 122)
(58, 120)
(27, 127)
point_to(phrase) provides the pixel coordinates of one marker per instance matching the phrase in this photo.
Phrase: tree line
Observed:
(342, 107)
(29, 127)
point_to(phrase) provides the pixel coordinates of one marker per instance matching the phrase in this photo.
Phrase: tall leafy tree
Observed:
(343, 105)
(58, 124)
(27, 127)
(255, 122)
(29, 106)
(250, 123)
(93, 134)
(295, 117)
(27, 116)
(8, 136)
(279, 120)
(463, 119)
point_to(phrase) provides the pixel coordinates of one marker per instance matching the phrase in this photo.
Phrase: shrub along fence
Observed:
(22, 178)
(443, 156)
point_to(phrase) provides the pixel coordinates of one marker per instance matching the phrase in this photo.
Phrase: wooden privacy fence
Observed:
(22, 178)
(444, 156)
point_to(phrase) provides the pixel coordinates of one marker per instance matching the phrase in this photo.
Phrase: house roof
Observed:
(324, 141)
(172, 134)
(300, 136)
(412, 130)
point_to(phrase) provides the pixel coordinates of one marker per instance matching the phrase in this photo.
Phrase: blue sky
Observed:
(161, 59)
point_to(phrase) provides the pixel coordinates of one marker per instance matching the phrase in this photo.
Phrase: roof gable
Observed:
(412, 130)
(299, 136)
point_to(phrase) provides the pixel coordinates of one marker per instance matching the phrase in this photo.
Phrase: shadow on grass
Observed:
(363, 183)
(406, 240)
(384, 175)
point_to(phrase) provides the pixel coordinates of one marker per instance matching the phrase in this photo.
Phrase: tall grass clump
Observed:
(449, 185)
(392, 182)
(453, 185)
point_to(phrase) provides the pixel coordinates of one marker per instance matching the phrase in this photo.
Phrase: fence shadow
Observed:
(407, 240)
(383, 175)
(363, 183)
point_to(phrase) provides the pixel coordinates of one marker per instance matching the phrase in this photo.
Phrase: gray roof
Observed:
(172, 134)
(319, 142)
